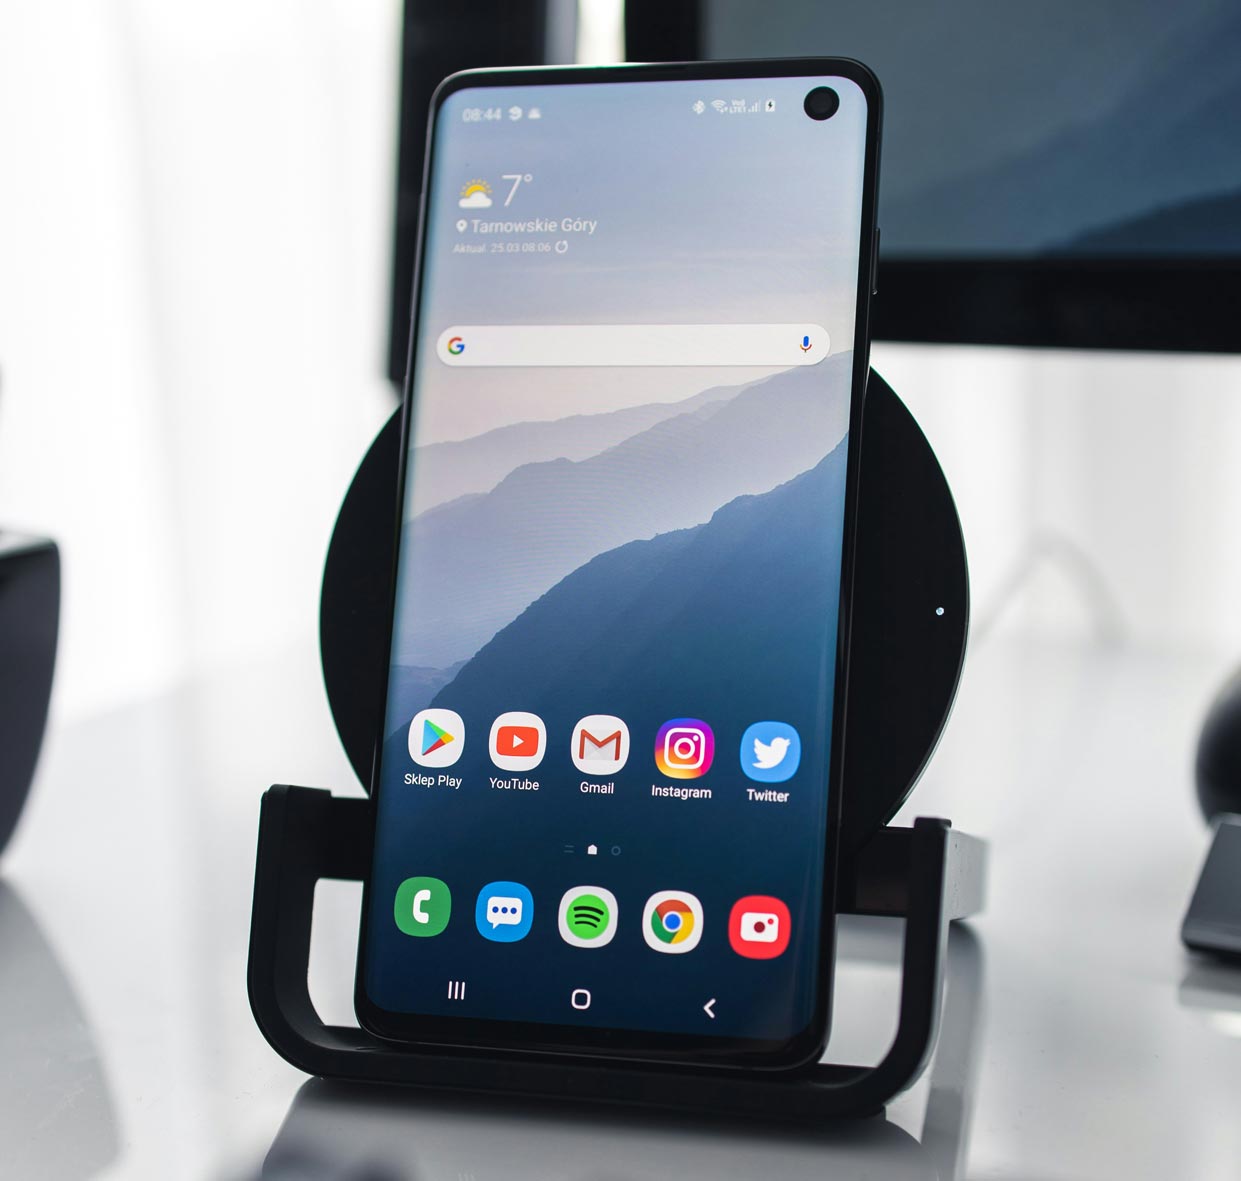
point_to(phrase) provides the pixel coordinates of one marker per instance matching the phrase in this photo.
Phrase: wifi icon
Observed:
(588, 916)
(719, 104)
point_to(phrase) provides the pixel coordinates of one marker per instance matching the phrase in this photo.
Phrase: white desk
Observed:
(127, 1048)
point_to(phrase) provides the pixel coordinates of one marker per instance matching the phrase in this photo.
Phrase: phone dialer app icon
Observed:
(600, 745)
(587, 916)
(684, 748)
(436, 737)
(759, 927)
(770, 752)
(518, 741)
(504, 912)
(422, 906)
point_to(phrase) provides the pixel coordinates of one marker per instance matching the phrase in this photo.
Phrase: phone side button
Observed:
(874, 265)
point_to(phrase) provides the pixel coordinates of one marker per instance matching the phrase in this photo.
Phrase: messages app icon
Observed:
(504, 912)
(770, 752)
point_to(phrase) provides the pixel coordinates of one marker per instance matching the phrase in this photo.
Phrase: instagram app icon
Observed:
(684, 748)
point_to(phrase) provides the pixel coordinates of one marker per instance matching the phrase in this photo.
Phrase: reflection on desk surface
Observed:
(1213, 989)
(336, 1131)
(340, 1130)
(56, 1116)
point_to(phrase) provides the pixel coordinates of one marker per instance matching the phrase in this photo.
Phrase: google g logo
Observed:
(672, 922)
(456, 346)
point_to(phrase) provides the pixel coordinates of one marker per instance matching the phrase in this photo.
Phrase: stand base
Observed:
(1213, 922)
(928, 873)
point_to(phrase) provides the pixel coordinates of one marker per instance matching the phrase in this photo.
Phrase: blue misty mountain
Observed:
(414, 687)
(742, 608)
(447, 471)
(1211, 226)
(1172, 139)
(483, 560)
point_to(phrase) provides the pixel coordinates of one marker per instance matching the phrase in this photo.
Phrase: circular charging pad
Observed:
(910, 610)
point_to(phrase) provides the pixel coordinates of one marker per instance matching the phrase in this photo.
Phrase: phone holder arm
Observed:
(928, 873)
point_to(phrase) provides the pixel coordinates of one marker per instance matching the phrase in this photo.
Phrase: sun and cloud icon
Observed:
(475, 195)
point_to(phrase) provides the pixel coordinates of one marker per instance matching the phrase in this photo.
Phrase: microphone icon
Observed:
(805, 344)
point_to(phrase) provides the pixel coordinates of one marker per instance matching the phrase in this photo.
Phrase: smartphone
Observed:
(607, 779)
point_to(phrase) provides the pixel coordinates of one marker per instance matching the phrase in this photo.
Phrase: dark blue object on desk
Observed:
(29, 625)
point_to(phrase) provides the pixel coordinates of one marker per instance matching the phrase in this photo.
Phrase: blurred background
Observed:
(207, 215)
(196, 247)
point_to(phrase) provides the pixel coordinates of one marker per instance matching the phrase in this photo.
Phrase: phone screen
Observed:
(604, 791)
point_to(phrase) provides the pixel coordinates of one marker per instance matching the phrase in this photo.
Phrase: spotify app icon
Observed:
(587, 916)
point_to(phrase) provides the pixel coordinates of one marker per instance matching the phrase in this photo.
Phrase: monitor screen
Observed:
(1052, 174)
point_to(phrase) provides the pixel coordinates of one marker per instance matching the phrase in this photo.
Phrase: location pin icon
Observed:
(461, 225)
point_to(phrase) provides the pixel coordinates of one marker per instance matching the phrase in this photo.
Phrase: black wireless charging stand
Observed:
(911, 608)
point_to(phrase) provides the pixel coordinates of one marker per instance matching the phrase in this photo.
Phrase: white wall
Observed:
(195, 212)
(1100, 493)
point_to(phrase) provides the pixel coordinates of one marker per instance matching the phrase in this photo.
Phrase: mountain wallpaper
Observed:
(478, 464)
(547, 518)
(1135, 177)
(675, 601)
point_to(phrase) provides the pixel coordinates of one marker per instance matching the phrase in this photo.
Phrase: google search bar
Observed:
(486, 345)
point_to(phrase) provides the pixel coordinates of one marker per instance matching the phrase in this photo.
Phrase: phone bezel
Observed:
(648, 1046)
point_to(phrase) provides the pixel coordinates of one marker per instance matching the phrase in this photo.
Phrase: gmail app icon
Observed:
(600, 745)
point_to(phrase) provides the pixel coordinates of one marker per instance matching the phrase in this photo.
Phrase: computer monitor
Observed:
(1060, 174)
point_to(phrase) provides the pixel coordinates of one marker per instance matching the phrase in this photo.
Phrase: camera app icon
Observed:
(759, 927)
(684, 748)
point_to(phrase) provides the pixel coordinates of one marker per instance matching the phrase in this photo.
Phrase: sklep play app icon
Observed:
(759, 927)
(436, 737)
(600, 745)
(672, 921)
(770, 752)
(518, 741)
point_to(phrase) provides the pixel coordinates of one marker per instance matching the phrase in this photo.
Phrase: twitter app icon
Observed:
(770, 752)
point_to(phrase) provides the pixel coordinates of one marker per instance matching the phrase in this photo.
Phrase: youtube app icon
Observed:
(518, 741)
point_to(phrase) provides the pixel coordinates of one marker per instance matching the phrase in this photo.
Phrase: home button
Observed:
(580, 998)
